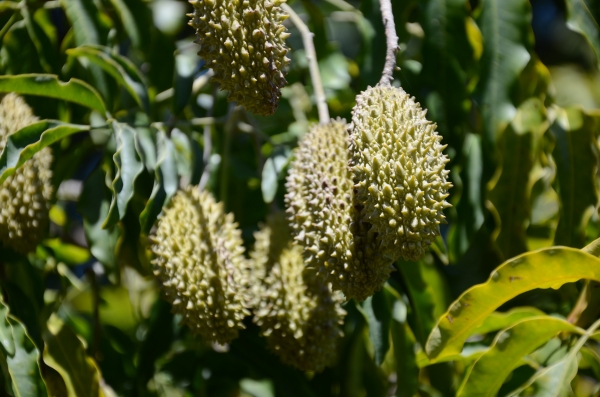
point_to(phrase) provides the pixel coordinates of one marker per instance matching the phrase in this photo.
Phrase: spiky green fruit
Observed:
(324, 218)
(198, 257)
(298, 314)
(243, 41)
(398, 167)
(25, 195)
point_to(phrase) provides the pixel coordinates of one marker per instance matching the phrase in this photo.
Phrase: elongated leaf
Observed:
(576, 161)
(447, 55)
(48, 85)
(470, 207)
(129, 22)
(404, 341)
(510, 190)
(129, 166)
(581, 20)
(377, 312)
(545, 268)
(497, 320)
(505, 26)
(165, 184)
(45, 49)
(21, 356)
(65, 353)
(491, 369)
(23, 144)
(93, 206)
(428, 296)
(119, 67)
(552, 381)
(85, 17)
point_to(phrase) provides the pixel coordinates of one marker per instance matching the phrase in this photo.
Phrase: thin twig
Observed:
(313, 65)
(208, 142)
(391, 41)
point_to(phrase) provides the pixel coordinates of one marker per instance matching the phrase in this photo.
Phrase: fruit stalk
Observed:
(391, 41)
(313, 65)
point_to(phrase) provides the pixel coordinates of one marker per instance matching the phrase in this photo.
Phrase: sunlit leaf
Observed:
(491, 369)
(500, 320)
(552, 381)
(546, 268)
(377, 312)
(23, 144)
(48, 85)
(66, 354)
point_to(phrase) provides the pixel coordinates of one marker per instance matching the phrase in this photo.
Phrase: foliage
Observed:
(132, 116)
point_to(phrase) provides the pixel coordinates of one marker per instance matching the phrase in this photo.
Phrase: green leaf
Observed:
(165, 183)
(271, 173)
(185, 155)
(46, 51)
(505, 26)
(48, 85)
(65, 353)
(552, 381)
(576, 165)
(68, 253)
(129, 22)
(93, 206)
(491, 369)
(23, 144)
(378, 314)
(87, 25)
(119, 67)
(545, 268)
(581, 20)
(510, 190)
(20, 356)
(428, 294)
(404, 341)
(447, 54)
(129, 166)
(498, 320)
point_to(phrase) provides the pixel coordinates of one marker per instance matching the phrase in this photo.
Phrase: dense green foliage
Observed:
(132, 117)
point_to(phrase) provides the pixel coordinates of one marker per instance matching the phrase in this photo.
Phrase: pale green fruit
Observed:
(398, 167)
(199, 258)
(324, 217)
(25, 196)
(243, 41)
(298, 314)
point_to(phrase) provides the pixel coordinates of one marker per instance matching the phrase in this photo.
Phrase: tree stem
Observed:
(391, 41)
(313, 65)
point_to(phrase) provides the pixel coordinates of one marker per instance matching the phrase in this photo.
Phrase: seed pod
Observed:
(298, 314)
(198, 257)
(243, 41)
(25, 195)
(398, 167)
(325, 219)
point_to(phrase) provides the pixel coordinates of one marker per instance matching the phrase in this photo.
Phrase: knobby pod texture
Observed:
(298, 314)
(243, 41)
(399, 171)
(324, 218)
(199, 259)
(25, 196)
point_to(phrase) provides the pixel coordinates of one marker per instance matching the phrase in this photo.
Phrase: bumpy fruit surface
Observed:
(398, 167)
(324, 218)
(298, 314)
(25, 195)
(198, 257)
(243, 41)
